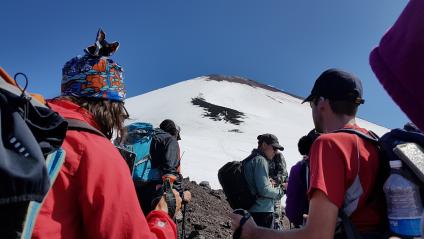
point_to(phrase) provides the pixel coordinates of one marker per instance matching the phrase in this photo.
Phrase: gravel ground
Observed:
(207, 213)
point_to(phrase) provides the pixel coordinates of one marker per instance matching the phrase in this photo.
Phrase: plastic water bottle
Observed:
(404, 206)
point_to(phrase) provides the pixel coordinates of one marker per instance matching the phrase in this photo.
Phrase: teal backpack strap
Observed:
(54, 162)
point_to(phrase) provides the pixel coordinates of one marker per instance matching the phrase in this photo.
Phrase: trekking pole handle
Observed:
(169, 197)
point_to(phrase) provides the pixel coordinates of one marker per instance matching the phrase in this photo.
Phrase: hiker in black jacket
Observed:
(278, 169)
(278, 176)
(165, 153)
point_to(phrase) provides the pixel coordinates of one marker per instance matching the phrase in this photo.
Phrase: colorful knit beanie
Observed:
(94, 75)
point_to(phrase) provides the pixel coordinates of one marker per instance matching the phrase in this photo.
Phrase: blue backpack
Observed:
(136, 151)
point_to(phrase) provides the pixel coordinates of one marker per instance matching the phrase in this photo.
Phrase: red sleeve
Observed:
(327, 168)
(108, 201)
(162, 225)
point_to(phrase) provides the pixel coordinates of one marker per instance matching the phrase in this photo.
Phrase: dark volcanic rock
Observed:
(205, 184)
(217, 112)
(252, 83)
(241, 80)
(207, 213)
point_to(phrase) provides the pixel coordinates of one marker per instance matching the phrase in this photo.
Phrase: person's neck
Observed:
(339, 122)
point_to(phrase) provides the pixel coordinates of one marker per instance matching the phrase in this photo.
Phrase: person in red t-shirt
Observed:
(343, 166)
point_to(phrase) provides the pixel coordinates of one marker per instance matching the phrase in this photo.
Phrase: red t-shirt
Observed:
(334, 166)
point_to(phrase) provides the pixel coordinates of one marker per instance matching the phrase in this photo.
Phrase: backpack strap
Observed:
(375, 139)
(79, 125)
(54, 162)
(348, 228)
(243, 163)
(307, 176)
(371, 136)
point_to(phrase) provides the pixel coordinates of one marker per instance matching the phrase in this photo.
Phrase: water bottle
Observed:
(404, 206)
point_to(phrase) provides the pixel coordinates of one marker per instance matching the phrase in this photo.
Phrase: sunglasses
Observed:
(126, 115)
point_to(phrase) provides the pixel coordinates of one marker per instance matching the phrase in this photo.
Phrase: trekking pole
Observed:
(183, 232)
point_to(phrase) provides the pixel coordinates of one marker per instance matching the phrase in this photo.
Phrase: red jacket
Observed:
(93, 195)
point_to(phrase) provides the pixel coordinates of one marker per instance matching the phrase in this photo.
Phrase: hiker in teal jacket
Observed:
(256, 172)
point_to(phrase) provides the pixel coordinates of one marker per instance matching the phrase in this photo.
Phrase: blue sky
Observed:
(286, 44)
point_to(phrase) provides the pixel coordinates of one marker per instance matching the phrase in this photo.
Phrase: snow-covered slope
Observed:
(221, 117)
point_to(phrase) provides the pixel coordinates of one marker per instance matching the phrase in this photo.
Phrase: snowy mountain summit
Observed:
(220, 118)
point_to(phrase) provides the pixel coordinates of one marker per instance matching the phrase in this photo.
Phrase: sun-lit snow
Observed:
(206, 144)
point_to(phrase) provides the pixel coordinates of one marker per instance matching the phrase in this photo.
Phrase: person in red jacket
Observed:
(93, 195)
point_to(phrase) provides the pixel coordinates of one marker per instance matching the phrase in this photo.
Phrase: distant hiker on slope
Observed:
(341, 163)
(256, 171)
(165, 156)
(93, 195)
(297, 202)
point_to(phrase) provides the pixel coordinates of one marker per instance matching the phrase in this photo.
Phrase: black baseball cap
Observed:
(337, 85)
(270, 139)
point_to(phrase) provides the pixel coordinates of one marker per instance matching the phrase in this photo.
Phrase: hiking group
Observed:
(78, 184)
(351, 183)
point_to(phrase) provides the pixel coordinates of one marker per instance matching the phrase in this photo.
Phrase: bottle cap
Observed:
(395, 164)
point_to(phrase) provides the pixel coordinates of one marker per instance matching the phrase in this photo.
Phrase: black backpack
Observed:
(406, 145)
(398, 144)
(31, 136)
(234, 184)
(30, 155)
